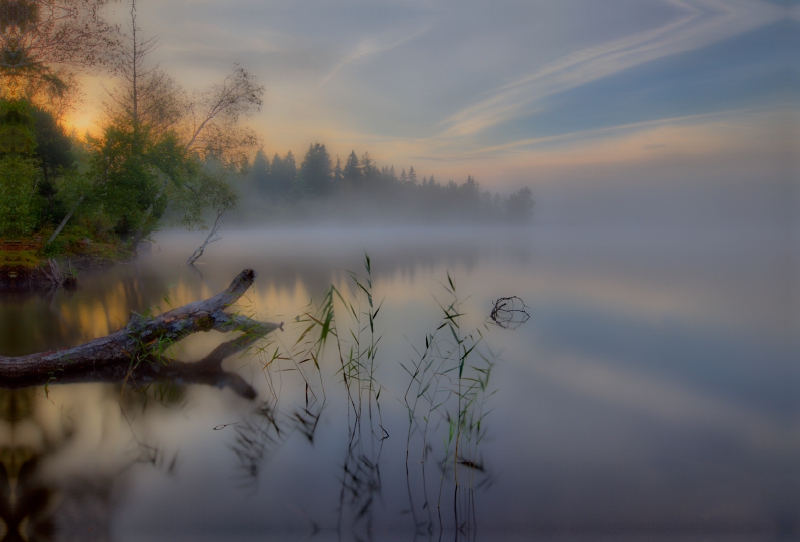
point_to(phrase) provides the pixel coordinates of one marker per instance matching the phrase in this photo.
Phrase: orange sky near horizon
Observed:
(532, 95)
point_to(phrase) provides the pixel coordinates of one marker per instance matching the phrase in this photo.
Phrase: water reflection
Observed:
(34, 505)
(446, 400)
(289, 263)
(510, 312)
(647, 391)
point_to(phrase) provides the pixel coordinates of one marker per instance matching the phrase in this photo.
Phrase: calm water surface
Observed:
(652, 395)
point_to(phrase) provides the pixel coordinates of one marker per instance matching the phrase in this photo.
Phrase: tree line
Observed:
(165, 150)
(281, 181)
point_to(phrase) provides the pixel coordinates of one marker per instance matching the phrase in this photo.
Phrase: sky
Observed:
(664, 100)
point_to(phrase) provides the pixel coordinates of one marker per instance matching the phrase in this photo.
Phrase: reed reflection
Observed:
(347, 324)
(290, 366)
(357, 346)
(446, 400)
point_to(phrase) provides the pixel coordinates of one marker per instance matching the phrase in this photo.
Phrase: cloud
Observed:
(704, 22)
(498, 87)
(634, 135)
(370, 47)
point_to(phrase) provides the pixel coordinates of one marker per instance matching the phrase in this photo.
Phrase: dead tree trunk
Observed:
(65, 220)
(141, 339)
(104, 179)
(213, 233)
(137, 237)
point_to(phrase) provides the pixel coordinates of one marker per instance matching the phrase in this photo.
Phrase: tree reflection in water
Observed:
(446, 401)
(35, 503)
(32, 505)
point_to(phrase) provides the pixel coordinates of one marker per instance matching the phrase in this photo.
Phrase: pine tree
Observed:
(283, 175)
(369, 171)
(259, 176)
(338, 174)
(519, 205)
(470, 189)
(352, 169)
(412, 176)
(315, 172)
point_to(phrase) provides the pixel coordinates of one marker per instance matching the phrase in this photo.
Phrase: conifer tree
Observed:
(283, 175)
(338, 174)
(259, 176)
(369, 171)
(315, 176)
(352, 169)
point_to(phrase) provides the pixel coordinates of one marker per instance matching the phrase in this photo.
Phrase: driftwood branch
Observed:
(139, 340)
(212, 237)
(207, 371)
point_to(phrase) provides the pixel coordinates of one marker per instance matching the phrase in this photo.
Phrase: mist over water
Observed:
(653, 389)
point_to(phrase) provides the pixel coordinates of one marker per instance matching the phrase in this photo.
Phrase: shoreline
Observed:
(23, 267)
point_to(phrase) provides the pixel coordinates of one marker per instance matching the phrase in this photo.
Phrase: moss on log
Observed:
(142, 339)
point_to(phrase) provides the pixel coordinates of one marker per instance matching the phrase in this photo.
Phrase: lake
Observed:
(652, 394)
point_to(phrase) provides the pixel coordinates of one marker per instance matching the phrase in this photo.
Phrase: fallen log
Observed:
(140, 343)
(208, 371)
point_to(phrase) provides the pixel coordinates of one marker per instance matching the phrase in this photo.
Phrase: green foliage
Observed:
(55, 158)
(207, 188)
(447, 394)
(122, 181)
(17, 131)
(17, 207)
(22, 258)
(53, 146)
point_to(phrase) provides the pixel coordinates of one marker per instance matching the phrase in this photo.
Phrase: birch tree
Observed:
(43, 43)
(173, 133)
(206, 191)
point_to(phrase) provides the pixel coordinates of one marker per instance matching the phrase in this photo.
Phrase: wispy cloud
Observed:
(370, 47)
(717, 139)
(614, 131)
(703, 22)
(477, 83)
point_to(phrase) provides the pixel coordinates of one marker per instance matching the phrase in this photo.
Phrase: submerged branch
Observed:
(141, 339)
(212, 237)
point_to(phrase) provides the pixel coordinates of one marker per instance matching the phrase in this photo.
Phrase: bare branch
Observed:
(221, 106)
